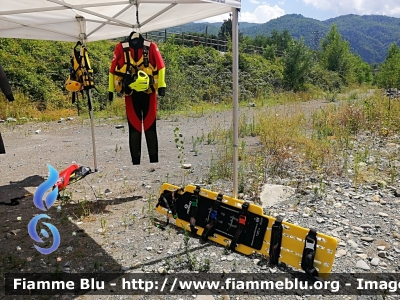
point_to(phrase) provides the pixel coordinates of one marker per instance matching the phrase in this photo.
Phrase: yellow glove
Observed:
(140, 83)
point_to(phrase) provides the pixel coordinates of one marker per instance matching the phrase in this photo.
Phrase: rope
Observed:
(137, 13)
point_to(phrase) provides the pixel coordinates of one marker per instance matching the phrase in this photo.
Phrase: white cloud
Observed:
(360, 7)
(248, 17)
(254, 2)
(262, 14)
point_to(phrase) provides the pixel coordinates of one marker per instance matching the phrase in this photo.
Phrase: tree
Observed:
(260, 41)
(297, 64)
(225, 32)
(393, 51)
(362, 70)
(280, 40)
(269, 52)
(336, 55)
(389, 76)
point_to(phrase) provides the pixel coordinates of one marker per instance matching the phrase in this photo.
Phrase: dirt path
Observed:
(30, 147)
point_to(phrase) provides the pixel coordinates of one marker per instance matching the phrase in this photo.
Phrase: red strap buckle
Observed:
(242, 220)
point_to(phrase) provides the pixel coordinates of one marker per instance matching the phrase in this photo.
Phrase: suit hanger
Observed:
(135, 35)
(136, 39)
(79, 43)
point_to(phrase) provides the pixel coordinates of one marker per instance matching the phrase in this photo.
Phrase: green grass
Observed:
(321, 144)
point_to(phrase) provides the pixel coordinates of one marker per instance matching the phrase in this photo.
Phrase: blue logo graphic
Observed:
(38, 201)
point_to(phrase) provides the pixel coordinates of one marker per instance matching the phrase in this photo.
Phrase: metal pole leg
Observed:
(235, 75)
(92, 128)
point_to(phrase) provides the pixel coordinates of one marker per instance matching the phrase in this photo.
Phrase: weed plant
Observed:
(319, 144)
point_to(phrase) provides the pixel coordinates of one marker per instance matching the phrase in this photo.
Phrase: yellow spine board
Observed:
(293, 236)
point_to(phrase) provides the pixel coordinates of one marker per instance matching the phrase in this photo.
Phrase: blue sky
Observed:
(258, 11)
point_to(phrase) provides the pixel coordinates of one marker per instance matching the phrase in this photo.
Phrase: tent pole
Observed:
(235, 85)
(82, 37)
(89, 94)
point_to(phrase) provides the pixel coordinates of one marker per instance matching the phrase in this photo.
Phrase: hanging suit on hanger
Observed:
(130, 56)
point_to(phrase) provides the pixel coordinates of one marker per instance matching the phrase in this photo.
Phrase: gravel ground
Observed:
(106, 226)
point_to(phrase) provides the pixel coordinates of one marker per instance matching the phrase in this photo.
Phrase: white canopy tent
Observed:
(88, 20)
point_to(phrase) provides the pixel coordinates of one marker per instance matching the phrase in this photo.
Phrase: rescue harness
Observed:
(128, 72)
(81, 72)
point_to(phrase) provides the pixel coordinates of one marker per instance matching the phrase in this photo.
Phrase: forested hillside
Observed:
(212, 28)
(369, 36)
(297, 25)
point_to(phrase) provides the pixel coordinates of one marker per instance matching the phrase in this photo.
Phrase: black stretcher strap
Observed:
(169, 211)
(310, 246)
(127, 76)
(276, 240)
(210, 227)
(193, 209)
(173, 199)
(241, 225)
(170, 205)
(145, 56)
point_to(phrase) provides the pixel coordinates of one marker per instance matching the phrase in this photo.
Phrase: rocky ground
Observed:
(106, 220)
